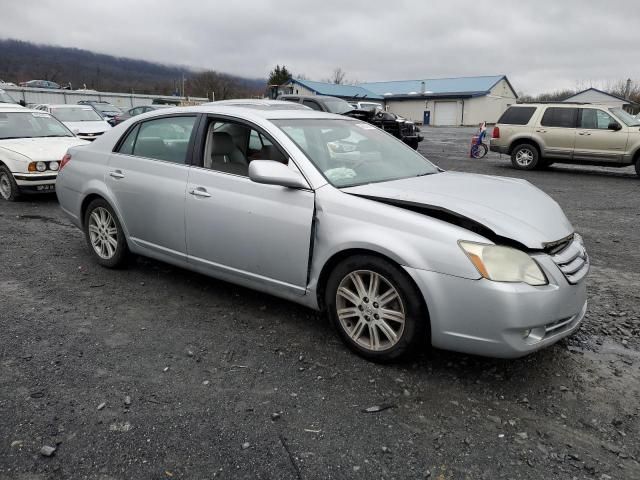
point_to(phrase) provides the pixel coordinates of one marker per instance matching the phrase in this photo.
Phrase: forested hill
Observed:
(21, 61)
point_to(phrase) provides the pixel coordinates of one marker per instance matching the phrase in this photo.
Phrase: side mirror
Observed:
(271, 172)
(614, 126)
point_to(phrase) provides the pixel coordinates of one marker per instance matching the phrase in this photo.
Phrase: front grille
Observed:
(572, 260)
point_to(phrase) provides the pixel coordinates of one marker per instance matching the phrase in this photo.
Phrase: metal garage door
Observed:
(446, 113)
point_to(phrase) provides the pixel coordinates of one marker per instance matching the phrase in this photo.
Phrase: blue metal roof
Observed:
(471, 86)
(350, 91)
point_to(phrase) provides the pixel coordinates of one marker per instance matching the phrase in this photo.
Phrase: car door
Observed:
(596, 141)
(557, 130)
(254, 234)
(147, 176)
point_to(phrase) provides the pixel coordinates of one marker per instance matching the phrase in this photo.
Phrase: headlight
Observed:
(53, 166)
(41, 166)
(503, 264)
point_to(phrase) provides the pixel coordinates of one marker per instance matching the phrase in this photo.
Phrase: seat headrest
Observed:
(222, 143)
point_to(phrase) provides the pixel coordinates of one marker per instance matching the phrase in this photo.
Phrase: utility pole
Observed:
(627, 90)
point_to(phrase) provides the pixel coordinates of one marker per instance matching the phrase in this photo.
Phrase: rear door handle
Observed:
(540, 130)
(116, 174)
(584, 133)
(199, 192)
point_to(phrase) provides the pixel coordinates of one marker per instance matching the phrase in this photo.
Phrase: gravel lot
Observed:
(154, 372)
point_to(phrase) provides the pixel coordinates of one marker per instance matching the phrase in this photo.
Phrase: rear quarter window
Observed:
(517, 115)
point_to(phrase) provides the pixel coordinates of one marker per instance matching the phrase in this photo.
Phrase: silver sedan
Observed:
(339, 216)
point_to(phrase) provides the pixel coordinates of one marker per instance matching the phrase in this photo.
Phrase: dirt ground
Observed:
(154, 372)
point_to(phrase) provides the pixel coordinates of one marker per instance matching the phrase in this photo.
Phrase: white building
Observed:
(593, 95)
(442, 101)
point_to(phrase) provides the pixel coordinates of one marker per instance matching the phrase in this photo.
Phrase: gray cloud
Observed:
(541, 45)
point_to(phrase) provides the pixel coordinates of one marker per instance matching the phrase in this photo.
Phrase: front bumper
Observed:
(36, 182)
(489, 318)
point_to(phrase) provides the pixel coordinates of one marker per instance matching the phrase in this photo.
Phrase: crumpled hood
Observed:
(511, 208)
(98, 126)
(45, 149)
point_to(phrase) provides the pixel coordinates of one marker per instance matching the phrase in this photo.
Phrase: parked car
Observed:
(366, 105)
(538, 135)
(40, 84)
(399, 127)
(396, 251)
(82, 120)
(32, 143)
(105, 109)
(261, 104)
(132, 112)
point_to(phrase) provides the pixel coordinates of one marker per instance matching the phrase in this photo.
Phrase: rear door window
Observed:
(164, 139)
(517, 115)
(559, 117)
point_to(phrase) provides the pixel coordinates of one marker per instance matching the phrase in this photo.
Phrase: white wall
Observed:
(124, 100)
(478, 109)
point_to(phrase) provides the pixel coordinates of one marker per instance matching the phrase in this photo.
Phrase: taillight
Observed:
(64, 161)
(496, 132)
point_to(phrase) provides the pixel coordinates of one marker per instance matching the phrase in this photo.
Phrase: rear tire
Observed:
(104, 234)
(376, 308)
(525, 157)
(9, 189)
(638, 166)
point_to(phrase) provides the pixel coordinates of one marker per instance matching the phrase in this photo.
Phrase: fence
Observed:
(123, 100)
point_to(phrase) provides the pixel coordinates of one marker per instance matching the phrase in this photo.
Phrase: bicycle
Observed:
(478, 148)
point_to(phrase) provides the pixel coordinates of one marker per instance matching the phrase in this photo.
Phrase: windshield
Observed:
(350, 153)
(337, 106)
(76, 114)
(628, 119)
(30, 125)
(6, 98)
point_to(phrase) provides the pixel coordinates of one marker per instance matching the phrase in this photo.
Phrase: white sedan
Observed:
(82, 120)
(32, 144)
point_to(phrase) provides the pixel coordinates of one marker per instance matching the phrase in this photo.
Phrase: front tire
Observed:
(9, 189)
(104, 234)
(375, 307)
(525, 157)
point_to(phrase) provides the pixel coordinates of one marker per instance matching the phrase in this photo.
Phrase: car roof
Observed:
(248, 112)
(7, 107)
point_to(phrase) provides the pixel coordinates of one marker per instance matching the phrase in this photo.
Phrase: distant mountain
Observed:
(22, 61)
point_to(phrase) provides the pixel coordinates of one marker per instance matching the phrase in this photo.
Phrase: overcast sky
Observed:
(540, 45)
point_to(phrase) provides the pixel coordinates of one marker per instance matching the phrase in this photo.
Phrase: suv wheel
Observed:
(375, 307)
(638, 165)
(8, 187)
(525, 157)
(104, 234)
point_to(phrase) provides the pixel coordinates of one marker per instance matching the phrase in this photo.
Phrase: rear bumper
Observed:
(499, 149)
(491, 319)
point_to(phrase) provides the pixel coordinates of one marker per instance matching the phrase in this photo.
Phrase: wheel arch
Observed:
(523, 140)
(341, 255)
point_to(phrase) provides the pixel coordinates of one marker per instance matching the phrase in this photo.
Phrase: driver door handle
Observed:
(199, 192)
(584, 133)
(116, 174)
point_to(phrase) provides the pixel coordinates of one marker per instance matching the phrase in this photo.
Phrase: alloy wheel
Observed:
(103, 233)
(524, 157)
(370, 310)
